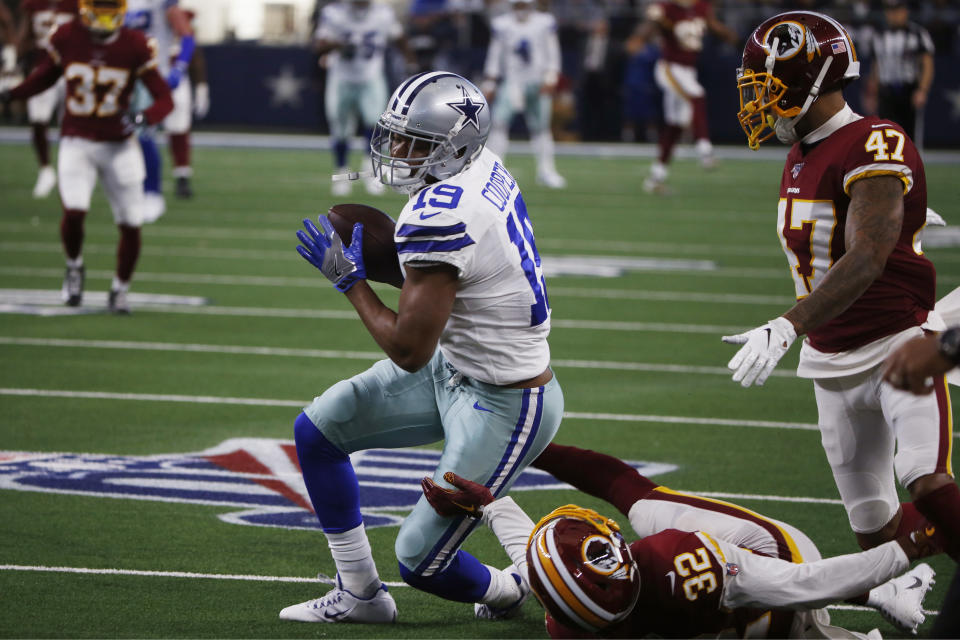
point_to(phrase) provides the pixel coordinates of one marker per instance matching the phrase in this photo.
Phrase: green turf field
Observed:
(639, 357)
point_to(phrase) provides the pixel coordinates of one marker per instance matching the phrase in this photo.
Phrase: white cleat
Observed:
(374, 186)
(154, 206)
(339, 605)
(486, 612)
(46, 181)
(551, 180)
(903, 605)
(341, 188)
(656, 187)
(117, 302)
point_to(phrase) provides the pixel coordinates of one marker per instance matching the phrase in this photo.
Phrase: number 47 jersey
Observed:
(814, 198)
(477, 222)
(100, 75)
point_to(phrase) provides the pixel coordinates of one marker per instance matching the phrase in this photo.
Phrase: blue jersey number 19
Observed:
(522, 237)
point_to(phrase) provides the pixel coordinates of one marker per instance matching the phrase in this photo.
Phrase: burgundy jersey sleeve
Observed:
(59, 44)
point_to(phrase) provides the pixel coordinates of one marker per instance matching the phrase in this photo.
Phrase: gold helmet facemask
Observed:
(103, 16)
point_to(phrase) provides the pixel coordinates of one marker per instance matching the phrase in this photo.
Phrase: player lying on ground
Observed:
(701, 566)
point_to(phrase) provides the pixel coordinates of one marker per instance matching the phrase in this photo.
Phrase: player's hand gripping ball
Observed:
(379, 250)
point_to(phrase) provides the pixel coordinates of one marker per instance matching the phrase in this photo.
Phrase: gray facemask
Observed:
(786, 130)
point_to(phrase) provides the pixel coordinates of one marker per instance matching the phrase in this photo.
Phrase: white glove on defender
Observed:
(761, 351)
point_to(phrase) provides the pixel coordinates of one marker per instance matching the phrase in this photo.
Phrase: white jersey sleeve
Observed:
(477, 222)
(763, 582)
(493, 67)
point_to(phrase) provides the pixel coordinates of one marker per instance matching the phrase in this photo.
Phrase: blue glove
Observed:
(176, 74)
(343, 266)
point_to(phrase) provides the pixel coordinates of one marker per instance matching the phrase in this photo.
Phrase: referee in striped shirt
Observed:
(902, 70)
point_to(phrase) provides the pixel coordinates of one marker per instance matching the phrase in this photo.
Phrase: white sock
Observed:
(543, 147)
(119, 285)
(503, 590)
(704, 148)
(658, 171)
(75, 263)
(354, 559)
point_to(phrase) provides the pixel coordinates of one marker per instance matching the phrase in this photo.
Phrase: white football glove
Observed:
(761, 351)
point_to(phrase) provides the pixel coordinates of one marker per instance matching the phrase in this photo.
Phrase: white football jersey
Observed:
(523, 52)
(150, 16)
(369, 32)
(477, 221)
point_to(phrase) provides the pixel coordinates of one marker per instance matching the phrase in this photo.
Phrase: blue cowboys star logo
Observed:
(470, 109)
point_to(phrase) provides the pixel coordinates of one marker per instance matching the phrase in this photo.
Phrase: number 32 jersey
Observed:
(812, 216)
(477, 222)
(100, 76)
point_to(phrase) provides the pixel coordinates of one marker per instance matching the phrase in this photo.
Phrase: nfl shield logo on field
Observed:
(257, 480)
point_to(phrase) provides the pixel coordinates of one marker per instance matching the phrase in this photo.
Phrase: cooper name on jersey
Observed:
(499, 187)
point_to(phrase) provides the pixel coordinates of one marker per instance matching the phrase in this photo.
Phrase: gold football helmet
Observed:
(103, 16)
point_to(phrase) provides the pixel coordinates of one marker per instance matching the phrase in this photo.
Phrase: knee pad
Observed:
(337, 404)
(409, 548)
(868, 506)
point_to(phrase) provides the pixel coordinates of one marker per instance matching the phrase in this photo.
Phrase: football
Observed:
(379, 250)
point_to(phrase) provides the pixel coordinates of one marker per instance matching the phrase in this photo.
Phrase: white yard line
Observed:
(370, 356)
(268, 402)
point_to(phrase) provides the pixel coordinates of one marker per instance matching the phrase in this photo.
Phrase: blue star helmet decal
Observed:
(469, 109)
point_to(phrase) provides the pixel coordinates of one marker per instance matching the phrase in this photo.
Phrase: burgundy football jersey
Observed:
(44, 16)
(814, 197)
(100, 78)
(681, 582)
(682, 28)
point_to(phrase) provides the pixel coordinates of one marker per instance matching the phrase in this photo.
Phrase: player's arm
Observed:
(925, 81)
(721, 30)
(766, 582)
(43, 76)
(874, 221)
(8, 31)
(410, 335)
(552, 72)
(493, 65)
(201, 89)
(180, 23)
(25, 40)
(162, 98)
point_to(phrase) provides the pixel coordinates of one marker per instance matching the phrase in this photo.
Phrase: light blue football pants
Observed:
(344, 101)
(490, 435)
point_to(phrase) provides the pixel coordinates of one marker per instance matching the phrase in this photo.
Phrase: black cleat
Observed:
(184, 191)
(72, 291)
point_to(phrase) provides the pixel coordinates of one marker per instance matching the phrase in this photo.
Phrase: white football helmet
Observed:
(435, 124)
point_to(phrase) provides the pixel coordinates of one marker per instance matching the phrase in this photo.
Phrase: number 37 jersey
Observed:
(812, 216)
(477, 222)
(100, 76)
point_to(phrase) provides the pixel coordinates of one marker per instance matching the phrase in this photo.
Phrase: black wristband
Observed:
(949, 345)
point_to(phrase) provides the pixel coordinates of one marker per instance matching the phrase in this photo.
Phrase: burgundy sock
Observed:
(701, 131)
(71, 232)
(595, 473)
(911, 520)
(128, 250)
(942, 508)
(669, 135)
(180, 149)
(40, 144)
